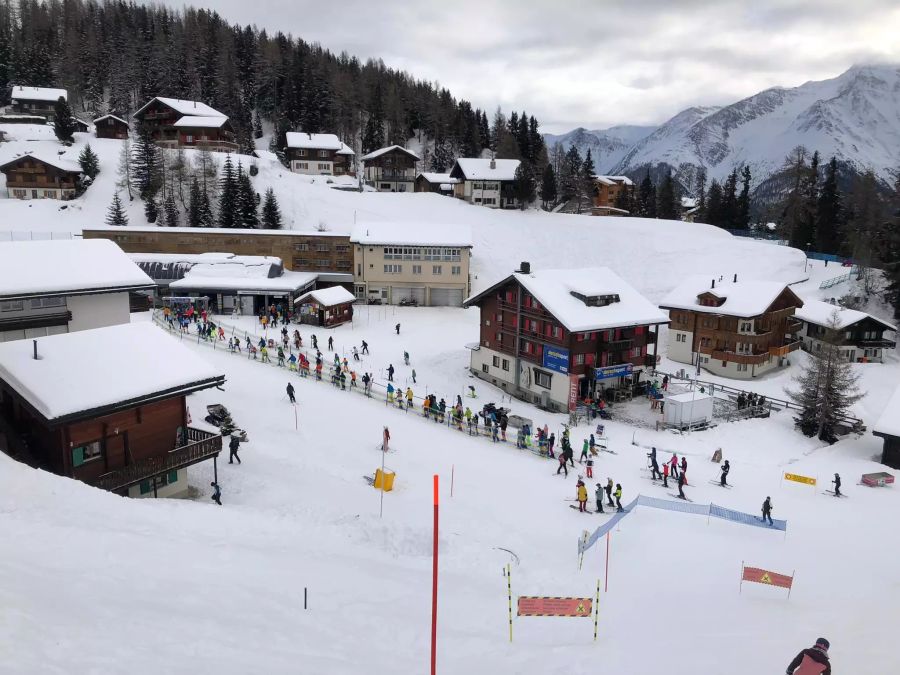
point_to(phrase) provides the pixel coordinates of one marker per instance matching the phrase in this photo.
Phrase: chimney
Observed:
(735, 278)
(525, 267)
(493, 163)
(35, 350)
(714, 283)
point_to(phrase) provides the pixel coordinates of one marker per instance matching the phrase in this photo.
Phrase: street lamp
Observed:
(806, 257)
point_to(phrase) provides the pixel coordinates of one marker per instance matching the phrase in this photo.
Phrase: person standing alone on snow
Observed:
(290, 392)
(812, 661)
(726, 467)
(217, 493)
(397, 327)
(390, 372)
(365, 347)
(837, 485)
(233, 446)
(767, 510)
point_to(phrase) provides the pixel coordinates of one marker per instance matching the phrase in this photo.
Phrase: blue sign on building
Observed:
(556, 359)
(613, 371)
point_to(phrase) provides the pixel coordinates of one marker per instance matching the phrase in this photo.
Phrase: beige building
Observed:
(399, 263)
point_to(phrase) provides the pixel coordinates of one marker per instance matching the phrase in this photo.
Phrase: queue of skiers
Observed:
(608, 491)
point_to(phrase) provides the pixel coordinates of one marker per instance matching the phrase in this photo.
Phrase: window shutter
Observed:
(77, 456)
(173, 476)
(145, 487)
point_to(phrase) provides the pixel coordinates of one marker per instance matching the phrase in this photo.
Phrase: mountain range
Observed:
(854, 117)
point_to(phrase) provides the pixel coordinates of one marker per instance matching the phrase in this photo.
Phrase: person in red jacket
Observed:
(812, 661)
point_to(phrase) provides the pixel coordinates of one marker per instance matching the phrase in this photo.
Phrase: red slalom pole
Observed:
(434, 584)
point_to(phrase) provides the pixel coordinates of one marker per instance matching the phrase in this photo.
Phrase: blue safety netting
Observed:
(710, 510)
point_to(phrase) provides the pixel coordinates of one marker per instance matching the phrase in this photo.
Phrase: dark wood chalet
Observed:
(168, 120)
(40, 101)
(41, 176)
(326, 307)
(319, 154)
(859, 335)
(391, 169)
(110, 126)
(888, 428)
(129, 432)
(556, 337)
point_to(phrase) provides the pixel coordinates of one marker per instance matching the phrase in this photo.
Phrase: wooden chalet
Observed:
(486, 182)
(92, 406)
(439, 183)
(608, 190)
(326, 307)
(41, 175)
(319, 154)
(859, 335)
(738, 329)
(556, 337)
(80, 125)
(391, 169)
(175, 123)
(110, 126)
(888, 428)
(39, 101)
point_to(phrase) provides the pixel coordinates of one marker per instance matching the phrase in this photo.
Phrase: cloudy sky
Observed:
(594, 63)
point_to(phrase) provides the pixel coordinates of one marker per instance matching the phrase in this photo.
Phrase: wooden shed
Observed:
(326, 307)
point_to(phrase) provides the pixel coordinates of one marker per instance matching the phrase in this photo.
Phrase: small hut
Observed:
(326, 307)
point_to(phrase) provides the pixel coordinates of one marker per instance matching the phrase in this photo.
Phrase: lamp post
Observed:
(806, 257)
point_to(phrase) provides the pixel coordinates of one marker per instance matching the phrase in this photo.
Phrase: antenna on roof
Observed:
(36, 357)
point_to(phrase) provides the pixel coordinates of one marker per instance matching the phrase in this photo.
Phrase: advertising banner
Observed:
(537, 606)
(800, 479)
(613, 371)
(573, 392)
(556, 359)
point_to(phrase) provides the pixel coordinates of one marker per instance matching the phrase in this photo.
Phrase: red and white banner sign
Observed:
(538, 606)
(760, 576)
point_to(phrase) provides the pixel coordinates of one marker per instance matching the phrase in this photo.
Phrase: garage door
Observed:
(399, 293)
(446, 297)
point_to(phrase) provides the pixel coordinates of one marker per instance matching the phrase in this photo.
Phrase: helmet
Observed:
(823, 643)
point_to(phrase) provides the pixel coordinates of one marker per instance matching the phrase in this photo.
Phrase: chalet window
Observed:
(742, 367)
(301, 247)
(505, 364)
(542, 379)
(557, 332)
(484, 368)
(496, 361)
(323, 153)
(188, 138)
(323, 263)
(527, 347)
(510, 297)
(321, 248)
(12, 306)
(456, 270)
(301, 153)
(417, 269)
(342, 248)
(489, 200)
(579, 359)
(301, 262)
(436, 269)
(487, 322)
(53, 301)
(393, 269)
(324, 167)
(499, 317)
(634, 353)
(85, 453)
(385, 186)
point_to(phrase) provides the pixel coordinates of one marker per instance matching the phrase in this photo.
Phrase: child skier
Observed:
(598, 496)
(590, 467)
(837, 485)
(562, 465)
(665, 475)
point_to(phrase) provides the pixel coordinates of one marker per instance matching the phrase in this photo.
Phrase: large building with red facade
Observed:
(554, 337)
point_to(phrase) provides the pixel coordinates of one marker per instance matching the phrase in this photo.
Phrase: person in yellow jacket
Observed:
(582, 496)
(618, 495)
(409, 397)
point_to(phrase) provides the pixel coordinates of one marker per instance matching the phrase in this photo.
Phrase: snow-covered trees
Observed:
(228, 195)
(63, 124)
(668, 203)
(115, 214)
(124, 169)
(548, 186)
(524, 185)
(646, 202)
(147, 171)
(247, 200)
(199, 213)
(90, 163)
(825, 389)
(829, 212)
(271, 214)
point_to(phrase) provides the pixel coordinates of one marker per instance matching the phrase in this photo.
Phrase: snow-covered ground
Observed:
(90, 582)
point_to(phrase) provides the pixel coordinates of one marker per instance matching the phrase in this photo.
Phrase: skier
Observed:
(264, 353)
(654, 464)
(385, 439)
(665, 475)
(472, 391)
(767, 510)
(352, 379)
(590, 467)
(674, 465)
(582, 496)
(726, 467)
(409, 397)
(290, 392)
(343, 379)
(280, 357)
(584, 451)
(330, 343)
(414, 375)
(598, 496)
(390, 393)
(684, 467)
(681, 482)
(365, 381)
(365, 347)
(406, 358)
(233, 445)
(390, 372)
(562, 464)
(665, 382)
(618, 495)
(315, 342)
(217, 493)
(550, 445)
(609, 489)
(837, 485)
(812, 661)
(397, 327)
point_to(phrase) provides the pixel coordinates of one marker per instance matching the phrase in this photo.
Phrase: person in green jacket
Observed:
(618, 495)
(584, 451)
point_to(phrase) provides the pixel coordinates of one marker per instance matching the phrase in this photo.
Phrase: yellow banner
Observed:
(800, 479)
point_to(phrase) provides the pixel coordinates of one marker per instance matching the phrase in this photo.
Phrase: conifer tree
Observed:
(146, 166)
(570, 174)
(228, 195)
(729, 202)
(701, 216)
(524, 184)
(668, 203)
(170, 211)
(151, 209)
(714, 214)
(257, 126)
(647, 197)
(90, 163)
(115, 214)
(124, 169)
(63, 124)
(193, 210)
(373, 136)
(548, 186)
(587, 185)
(890, 251)
(246, 200)
(271, 214)
(743, 201)
(829, 212)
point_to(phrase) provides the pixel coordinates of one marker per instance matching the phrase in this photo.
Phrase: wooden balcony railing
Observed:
(784, 350)
(201, 445)
(735, 357)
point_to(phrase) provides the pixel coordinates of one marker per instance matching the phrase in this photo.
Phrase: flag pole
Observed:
(741, 587)
(509, 593)
(597, 610)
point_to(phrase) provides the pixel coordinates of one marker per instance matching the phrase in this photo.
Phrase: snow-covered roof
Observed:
(67, 267)
(442, 178)
(200, 121)
(329, 297)
(746, 298)
(212, 278)
(300, 139)
(613, 180)
(88, 371)
(889, 422)
(184, 107)
(688, 202)
(384, 151)
(237, 232)
(345, 150)
(211, 258)
(118, 119)
(412, 234)
(554, 290)
(687, 397)
(51, 158)
(38, 94)
(820, 313)
(473, 168)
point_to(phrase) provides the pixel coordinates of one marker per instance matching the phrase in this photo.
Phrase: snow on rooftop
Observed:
(345, 150)
(687, 397)
(481, 169)
(85, 370)
(114, 117)
(553, 289)
(185, 107)
(689, 202)
(236, 232)
(612, 180)
(384, 151)
(746, 298)
(201, 122)
(38, 94)
(411, 234)
(889, 422)
(60, 162)
(820, 313)
(214, 278)
(67, 267)
(442, 178)
(329, 297)
(300, 139)
(208, 258)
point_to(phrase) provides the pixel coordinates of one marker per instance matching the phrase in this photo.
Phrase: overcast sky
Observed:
(594, 63)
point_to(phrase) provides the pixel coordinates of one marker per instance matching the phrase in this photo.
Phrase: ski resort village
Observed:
(308, 365)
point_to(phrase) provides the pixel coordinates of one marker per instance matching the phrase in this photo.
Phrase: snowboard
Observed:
(715, 482)
(572, 506)
(831, 492)
(672, 494)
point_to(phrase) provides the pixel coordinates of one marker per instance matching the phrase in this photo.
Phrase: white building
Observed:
(486, 182)
(319, 154)
(861, 334)
(51, 287)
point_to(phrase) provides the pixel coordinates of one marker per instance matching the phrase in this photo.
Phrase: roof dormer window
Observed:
(596, 300)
